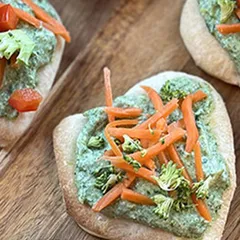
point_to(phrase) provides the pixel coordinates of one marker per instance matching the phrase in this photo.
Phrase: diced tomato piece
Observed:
(25, 100)
(8, 18)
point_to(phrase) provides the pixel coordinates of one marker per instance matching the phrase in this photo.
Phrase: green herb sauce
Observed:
(187, 223)
(26, 76)
(211, 12)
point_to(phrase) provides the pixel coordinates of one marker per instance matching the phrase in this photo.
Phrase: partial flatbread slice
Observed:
(65, 137)
(11, 130)
(206, 51)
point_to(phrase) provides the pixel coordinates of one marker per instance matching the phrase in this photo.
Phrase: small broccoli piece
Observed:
(168, 92)
(117, 141)
(164, 205)
(107, 177)
(130, 145)
(170, 177)
(227, 8)
(135, 164)
(96, 142)
(201, 189)
(183, 193)
(16, 41)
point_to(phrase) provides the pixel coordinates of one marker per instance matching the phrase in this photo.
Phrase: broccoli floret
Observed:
(107, 177)
(170, 177)
(16, 41)
(135, 164)
(130, 145)
(168, 92)
(227, 8)
(201, 189)
(164, 205)
(96, 142)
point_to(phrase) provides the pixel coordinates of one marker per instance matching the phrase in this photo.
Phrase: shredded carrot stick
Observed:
(237, 12)
(189, 121)
(150, 164)
(26, 17)
(228, 28)
(198, 96)
(3, 62)
(134, 133)
(109, 197)
(123, 113)
(58, 31)
(42, 15)
(173, 154)
(154, 97)
(178, 124)
(130, 178)
(113, 145)
(198, 162)
(135, 197)
(108, 91)
(165, 142)
(167, 110)
(113, 194)
(144, 143)
(141, 172)
(162, 158)
(202, 208)
(238, 3)
(161, 124)
(108, 153)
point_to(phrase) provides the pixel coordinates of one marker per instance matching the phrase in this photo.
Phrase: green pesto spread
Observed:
(186, 223)
(211, 12)
(26, 75)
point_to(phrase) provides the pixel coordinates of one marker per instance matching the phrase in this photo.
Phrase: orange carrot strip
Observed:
(228, 28)
(142, 172)
(122, 113)
(144, 143)
(161, 124)
(150, 164)
(167, 110)
(154, 97)
(130, 178)
(49, 22)
(108, 91)
(113, 194)
(3, 62)
(58, 31)
(109, 153)
(238, 3)
(189, 121)
(162, 158)
(176, 159)
(135, 197)
(198, 162)
(198, 96)
(113, 145)
(26, 17)
(109, 197)
(42, 15)
(134, 133)
(202, 208)
(237, 12)
(167, 140)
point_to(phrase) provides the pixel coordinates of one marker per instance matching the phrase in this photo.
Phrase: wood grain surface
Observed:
(140, 39)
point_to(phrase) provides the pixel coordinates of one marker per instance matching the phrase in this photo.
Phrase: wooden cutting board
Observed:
(140, 39)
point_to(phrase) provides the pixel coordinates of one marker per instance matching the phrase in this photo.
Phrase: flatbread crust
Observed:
(206, 51)
(11, 130)
(65, 137)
